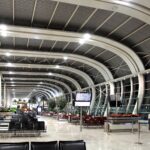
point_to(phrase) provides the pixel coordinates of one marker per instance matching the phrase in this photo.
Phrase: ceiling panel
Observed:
(79, 18)
(112, 23)
(96, 51)
(127, 28)
(138, 36)
(21, 43)
(23, 11)
(34, 44)
(105, 55)
(6, 42)
(122, 71)
(96, 20)
(144, 47)
(115, 62)
(43, 13)
(71, 47)
(82, 49)
(47, 45)
(62, 15)
(6, 11)
(59, 46)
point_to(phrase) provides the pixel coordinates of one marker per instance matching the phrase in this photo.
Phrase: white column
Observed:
(0, 89)
(5, 100)
(131, 95)
(140, 96)
(122, 91)
(99, 100)
(104, 110)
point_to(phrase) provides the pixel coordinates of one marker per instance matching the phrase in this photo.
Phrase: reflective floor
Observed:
(96, 138)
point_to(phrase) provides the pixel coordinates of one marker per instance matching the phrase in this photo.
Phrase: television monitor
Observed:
(84, 97)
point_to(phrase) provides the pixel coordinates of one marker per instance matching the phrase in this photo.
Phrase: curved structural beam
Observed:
(73, 70)
(130, 57)
(42, 91)
(39, 93)
(140, 96)
(134, 9)
(76, 84)
(43, 79)
(82, 59)
(46, 90)
(40, 86)
(131, 96)
(48, 85)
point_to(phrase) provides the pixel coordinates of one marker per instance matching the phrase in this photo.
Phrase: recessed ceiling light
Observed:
(3, 27)
(86, 36)
(7, 54)
(11, 79)
(3, 33)
(38, 85)
(57, 66)
(65, 57)
(41, 82)
(50, 73)
(82, 41)
(10, 72)
(9, 64)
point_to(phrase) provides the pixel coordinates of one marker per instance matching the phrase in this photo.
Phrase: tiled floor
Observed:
(96, 138)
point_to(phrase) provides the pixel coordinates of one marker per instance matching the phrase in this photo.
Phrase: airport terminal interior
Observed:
(74, 74)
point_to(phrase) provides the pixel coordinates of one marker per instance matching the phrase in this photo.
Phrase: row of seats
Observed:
(89, 120)
(18, 126)
(53, 145)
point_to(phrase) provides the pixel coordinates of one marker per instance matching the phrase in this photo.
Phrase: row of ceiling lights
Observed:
(3, 31)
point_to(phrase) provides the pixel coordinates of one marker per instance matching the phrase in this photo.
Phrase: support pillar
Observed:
(0, 89)
(122, 91)
(140, 94)
(4, 99)
(131, 96)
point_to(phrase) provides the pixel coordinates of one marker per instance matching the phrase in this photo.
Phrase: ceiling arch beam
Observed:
(73, 70)
(33, 86)
(82, 59)
(129, 56)
(74, 82)
(43, 79)
(135, 9)
(38, 93)
(46, 90)
(49, 85)
(38, 90)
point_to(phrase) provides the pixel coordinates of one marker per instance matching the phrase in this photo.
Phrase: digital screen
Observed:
(83, 97)
(39, 109)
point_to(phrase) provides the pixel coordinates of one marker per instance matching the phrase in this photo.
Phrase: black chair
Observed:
(14, 146)
(44, 145)
(72, 145)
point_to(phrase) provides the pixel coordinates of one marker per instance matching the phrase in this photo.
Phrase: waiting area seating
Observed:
(89, 120)
(122, 122)
(23, 124)
(53, 145)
